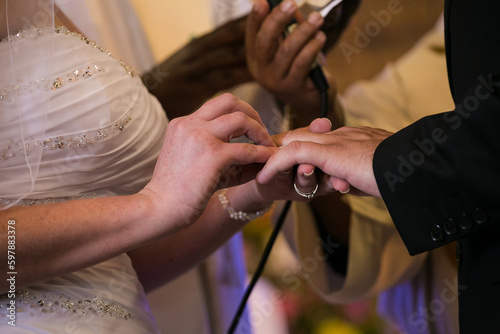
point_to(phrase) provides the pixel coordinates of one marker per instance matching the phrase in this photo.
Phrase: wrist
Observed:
(163, 216)
(243, 202)
(239, 214)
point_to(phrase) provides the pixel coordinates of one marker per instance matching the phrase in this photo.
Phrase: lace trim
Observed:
(35, 33)
(63, 30)
(9, 91)
(47, 303)
(13, 149)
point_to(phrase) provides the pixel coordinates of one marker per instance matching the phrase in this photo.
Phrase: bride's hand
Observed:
(196, 155)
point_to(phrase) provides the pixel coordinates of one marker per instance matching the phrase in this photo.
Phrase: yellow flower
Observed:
(336, 326)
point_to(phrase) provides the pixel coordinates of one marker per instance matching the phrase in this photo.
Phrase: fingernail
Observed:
(345, 192)
(258, 7)
(320, 36)
(314, 18)
(287, 6)
(329, 122)
(309, 174)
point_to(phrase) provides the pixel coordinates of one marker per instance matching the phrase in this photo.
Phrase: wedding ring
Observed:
(306, 195)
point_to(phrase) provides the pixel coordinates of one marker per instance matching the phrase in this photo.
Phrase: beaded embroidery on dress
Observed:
(103, 135)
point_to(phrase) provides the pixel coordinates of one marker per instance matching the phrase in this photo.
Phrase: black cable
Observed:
(320, 82)
(318, 77)
(260, 267)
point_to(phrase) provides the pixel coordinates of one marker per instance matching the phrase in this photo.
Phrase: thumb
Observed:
(320, 125)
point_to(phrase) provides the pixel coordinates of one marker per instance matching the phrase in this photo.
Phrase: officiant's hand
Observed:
(206, 65)
(282, 64)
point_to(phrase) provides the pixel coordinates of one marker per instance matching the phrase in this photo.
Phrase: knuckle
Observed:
(178, 125)
(295, 146)
(301, 63)
(226, 99)
(229, 98)
(238, 118)
(288, 137)
(239, 115)
(285, 49)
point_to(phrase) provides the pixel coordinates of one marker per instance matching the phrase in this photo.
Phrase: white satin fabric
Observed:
(103, 136)
(204, 299)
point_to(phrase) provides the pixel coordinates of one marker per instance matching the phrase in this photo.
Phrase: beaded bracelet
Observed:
(239, 215)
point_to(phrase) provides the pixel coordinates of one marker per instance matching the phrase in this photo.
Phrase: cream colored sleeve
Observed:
(377, 256)
(414, 86)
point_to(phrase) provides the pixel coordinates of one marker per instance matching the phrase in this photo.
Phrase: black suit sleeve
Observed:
(440, 177)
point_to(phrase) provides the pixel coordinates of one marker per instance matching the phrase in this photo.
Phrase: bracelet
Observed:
(239, 215)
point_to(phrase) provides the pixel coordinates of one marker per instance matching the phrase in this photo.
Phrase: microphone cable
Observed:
(318, 77)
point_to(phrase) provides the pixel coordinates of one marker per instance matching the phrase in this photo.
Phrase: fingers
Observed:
(308, 55)
(226, 104)
(299, 48)
(293, 154)
(303, 135)
(340, 185)
(320, 125)
(263, 35)
(343, 133)
(305, 179)
(244, 154)
(345, 154)
(309, 180)
(242, 162)
(254, 21)
(237, 124)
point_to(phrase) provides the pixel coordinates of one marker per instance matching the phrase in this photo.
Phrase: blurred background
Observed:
(189, 19)
(305, 312)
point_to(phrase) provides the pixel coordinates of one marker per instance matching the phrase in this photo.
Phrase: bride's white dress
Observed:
(104, 132)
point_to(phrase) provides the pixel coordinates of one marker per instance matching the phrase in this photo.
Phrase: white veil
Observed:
(25, 84)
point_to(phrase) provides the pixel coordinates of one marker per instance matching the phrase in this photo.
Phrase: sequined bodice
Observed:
(104, 133)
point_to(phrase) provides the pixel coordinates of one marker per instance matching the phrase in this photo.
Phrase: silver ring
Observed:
(306, 195)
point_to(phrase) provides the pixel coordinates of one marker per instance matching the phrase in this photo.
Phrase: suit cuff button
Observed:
(479, 216)
(465, 222)
(437, 233)
(450, 227)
